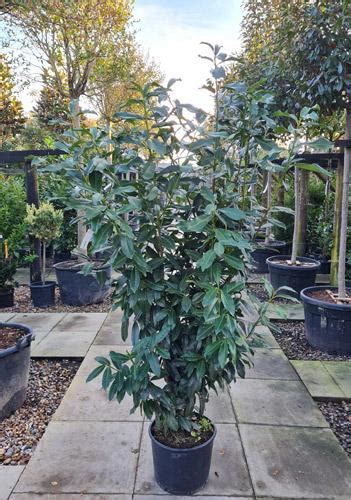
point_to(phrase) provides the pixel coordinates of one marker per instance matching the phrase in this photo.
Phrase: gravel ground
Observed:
(20, 433)
(338, 415)
(292, 340)
(262, 295)
(23, 304)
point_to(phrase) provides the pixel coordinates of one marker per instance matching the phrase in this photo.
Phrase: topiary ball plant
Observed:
(44, 223)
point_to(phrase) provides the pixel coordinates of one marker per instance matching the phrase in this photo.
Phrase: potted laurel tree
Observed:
(182, 258)
(293, 271)
(44, 223)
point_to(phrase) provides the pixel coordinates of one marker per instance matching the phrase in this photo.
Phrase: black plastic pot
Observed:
(295, 277)
(43, 295)
(14, 372)
(181, 471)
(79, 290)
(263, 251)
(6, 297)
(62, 256)
(325, 262)
(327, 325)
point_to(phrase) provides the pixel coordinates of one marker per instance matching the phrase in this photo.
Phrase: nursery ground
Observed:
(272, 439)
(20, 433)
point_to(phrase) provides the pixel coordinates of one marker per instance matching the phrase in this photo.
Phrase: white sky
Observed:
(170, 31)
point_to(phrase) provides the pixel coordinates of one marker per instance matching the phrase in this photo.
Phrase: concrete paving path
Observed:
(272, 440)
(326, 380)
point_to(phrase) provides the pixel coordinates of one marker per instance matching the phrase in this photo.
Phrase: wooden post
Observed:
(31, 177)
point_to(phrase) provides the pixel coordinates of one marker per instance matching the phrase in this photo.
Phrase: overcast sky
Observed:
(171, 30)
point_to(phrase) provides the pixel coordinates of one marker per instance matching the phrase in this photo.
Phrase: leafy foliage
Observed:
(164, 199)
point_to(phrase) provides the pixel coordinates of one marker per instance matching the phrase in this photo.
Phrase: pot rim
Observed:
(39, 284)
(321, 303)
(23, 342)
(270, 262)
(182, 450)
(77, 270)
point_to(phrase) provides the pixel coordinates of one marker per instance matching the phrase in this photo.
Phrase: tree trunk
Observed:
(268, 206)
(32, 192)
(337, 224)
(81, 229)
(344, 210)
(297, 228)
(302, 234)
(44, 264)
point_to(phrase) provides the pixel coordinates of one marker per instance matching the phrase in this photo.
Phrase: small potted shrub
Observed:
(8, 268)
(44, 223)
(182, 259)
(15, 341)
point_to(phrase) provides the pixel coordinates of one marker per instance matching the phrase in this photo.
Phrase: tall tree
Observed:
(69, 37)
(307, 61)
(51, 106)
(11, 111)
(113, 77)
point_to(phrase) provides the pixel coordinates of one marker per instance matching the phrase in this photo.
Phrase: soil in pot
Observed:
(182, 462)
(14, 366)
(9, 336)
(328, 321)
(263, 251)
(6, 297)
(43, 295)
(77, 289)
(297, 277)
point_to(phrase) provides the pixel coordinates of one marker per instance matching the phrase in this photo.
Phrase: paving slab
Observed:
(341, 373)
(288, 312)
(296, 462)
(40, 322)
(275, 402)
(5, 317)
(89, 362)
(178, 497)
(318, 380)
(64, 496)
(271, 364)
(8, 479)
(219, 408)
(81, 322)
(88, 401)
(267, 338)
(68, 344)
(110, 332)
(84, 457)
(228, 474)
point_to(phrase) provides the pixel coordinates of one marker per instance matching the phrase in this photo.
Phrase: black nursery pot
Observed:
(263, 251)
(62, 256)
(14, 371)
(79, 290)
(295, 277)
(181, 471)
(43, 295)
(6, 297)
(327, 325)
